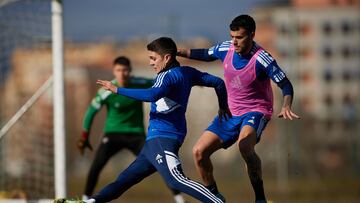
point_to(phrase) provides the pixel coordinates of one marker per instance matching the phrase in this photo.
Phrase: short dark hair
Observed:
(244, 21)
(122, 60)
(162, 46)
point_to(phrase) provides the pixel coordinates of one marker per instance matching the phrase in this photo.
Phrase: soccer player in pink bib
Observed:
(248, 69)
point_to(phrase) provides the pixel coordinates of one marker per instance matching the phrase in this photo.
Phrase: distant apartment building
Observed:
(320, 47)
(322, 3)
(318, 44)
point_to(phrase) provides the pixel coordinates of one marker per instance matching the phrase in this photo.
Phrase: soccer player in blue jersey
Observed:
(124, 124)
(248, 69)
(167, 126)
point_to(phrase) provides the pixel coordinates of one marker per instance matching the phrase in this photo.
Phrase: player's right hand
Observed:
(84, 143)
(224, 114)
(108, 85)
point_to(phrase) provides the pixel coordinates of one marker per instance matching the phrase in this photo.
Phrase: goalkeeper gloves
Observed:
(84, 143)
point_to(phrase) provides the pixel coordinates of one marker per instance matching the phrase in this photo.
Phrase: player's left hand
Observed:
(286, 113)
(82, 144)
(107, 85)
(224, 114)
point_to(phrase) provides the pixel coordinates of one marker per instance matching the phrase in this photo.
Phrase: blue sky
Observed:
(25, 22)
(93, 20)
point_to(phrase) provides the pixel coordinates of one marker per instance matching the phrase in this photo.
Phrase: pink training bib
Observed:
(245, 92)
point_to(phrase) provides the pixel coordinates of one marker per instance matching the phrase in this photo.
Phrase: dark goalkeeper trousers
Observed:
(161, 155)
(110, 144)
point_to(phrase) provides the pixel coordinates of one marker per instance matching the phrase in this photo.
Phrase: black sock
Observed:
(259, 190)
(213, 188)
(175, 192)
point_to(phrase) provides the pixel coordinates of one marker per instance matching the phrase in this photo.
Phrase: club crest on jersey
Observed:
(159, 159)
(105, 140)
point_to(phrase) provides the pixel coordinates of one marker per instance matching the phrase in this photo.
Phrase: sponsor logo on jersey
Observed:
(236, 82)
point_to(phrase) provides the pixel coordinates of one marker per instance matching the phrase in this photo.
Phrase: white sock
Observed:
(90, 200)
(179, 198)
(85, 197)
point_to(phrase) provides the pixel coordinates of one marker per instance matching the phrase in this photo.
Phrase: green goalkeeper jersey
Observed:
(124, 115)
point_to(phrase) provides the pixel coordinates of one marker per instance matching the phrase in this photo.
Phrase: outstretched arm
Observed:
(149, 95)
(196, 54)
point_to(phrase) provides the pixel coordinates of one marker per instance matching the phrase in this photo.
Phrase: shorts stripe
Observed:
(262, 124)
(196, 186)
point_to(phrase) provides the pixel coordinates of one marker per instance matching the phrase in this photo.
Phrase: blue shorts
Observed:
(229, 130)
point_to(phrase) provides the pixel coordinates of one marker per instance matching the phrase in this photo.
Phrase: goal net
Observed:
(26, 147)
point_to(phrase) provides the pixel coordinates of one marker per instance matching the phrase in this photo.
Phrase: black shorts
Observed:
(114, 142)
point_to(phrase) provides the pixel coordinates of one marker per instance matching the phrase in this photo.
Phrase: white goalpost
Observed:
(59, 105)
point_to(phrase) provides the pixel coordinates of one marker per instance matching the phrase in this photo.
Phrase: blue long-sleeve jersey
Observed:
(266, 66)
(169, 98)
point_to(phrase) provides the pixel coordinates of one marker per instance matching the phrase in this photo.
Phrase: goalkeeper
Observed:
(124, 127)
